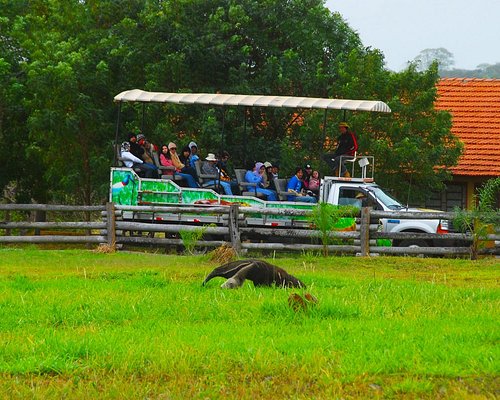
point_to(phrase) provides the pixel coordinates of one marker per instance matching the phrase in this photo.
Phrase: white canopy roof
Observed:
(137, 95)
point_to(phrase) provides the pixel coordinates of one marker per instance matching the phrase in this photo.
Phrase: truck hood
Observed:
(419, 210)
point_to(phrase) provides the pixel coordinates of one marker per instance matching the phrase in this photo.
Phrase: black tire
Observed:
(413, 243)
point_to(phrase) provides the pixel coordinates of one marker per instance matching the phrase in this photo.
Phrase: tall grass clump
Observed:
(191, 237)
(482, 218)
(326, 217)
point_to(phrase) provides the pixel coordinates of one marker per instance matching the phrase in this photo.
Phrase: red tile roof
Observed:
(475, 108)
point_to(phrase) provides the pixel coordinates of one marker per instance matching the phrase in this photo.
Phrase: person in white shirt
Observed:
(132, 161)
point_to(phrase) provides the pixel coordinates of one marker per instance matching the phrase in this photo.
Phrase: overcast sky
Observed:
(401, 29)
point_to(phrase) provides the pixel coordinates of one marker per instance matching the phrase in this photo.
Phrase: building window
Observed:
(454, 195)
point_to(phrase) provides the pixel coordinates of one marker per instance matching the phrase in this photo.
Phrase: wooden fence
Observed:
(106, 225)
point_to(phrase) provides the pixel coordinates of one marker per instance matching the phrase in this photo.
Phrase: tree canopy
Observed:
(427, 57)
(445, 61)
(62, 61)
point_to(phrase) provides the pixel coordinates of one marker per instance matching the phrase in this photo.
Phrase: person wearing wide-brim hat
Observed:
(347, 145)
(209, 167)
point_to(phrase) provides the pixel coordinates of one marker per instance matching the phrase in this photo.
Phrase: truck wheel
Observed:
(413, 243)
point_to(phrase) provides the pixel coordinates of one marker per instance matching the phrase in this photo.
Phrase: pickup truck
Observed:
(127, 188)
(364, 193)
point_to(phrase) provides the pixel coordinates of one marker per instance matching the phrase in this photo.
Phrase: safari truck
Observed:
(128, 188)
(364, 192)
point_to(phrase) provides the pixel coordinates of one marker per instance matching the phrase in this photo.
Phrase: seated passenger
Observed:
(224, 172)
(135, 148)
(184, 155)
(295, 188)
(209, 167)
(193, 157)
(146, 156)
(268, 177)
(147, 151)
(256, 176)
(132, 161)
(314, 182)
(167, 161)
(275, 169)
(184, 168)
(307, 175)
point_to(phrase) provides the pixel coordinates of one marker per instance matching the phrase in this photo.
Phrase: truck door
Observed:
(356, 197)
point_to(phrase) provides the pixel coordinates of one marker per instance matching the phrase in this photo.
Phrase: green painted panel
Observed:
(159, 185)
(124, 187)
(191, 196)
(160, 198)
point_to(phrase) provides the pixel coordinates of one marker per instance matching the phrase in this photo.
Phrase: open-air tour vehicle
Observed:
(128, 188)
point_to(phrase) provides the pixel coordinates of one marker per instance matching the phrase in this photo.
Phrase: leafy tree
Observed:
(427, 57)
(68, 70)
(481, 71)
(21, 169)
(64, 60)
(415, 146)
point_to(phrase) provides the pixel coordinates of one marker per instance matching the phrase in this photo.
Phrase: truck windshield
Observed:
(384, 198)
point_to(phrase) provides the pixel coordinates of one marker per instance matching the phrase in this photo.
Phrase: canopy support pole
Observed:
(223, 127)
(143, 117)
(245, 109)
(324, 134)
(116, 133)
(218, 186)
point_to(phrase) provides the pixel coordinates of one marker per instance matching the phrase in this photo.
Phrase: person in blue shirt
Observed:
(193, 157)
(294, 187)
(256, 176)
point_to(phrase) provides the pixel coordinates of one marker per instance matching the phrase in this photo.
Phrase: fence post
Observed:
(234, 233)
(111, 224)
(40, 216)
(364, 231)
(8, 232)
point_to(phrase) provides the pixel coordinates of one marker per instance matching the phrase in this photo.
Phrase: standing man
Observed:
(347, 145)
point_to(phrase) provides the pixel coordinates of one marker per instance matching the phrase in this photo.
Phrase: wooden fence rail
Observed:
(109, 227)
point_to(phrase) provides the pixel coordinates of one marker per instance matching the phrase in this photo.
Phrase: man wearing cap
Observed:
(209, 168)
(146, 148)
(135, 148)
(347, 145)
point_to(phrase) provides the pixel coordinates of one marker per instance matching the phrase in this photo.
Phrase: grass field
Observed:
(76, 324)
